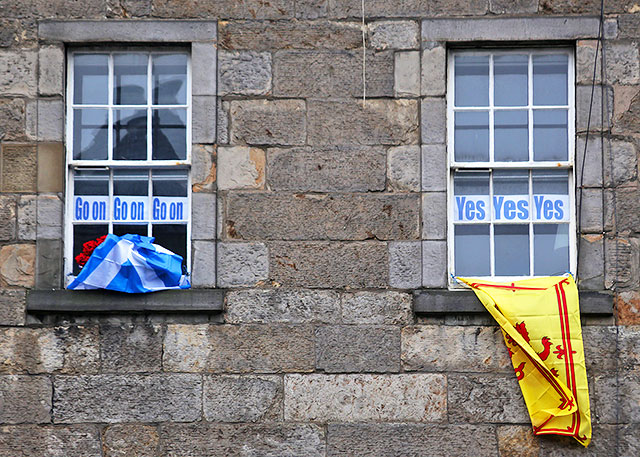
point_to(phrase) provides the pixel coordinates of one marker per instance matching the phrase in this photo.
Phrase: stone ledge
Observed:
(136, 31)
(509, 29)
(441, 302)
(190, 300)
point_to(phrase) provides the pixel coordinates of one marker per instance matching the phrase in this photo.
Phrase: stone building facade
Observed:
(321, 321)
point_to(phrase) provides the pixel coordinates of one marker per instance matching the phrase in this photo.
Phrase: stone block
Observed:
(127, 398)
(407, 74)
(244, 73)
(628, 343)
(625, 163)
(593, 166)
(433, 78)
(513, 7)
(434, 215)
(240, 167)
(275, 439)
(49, 213)
(223, 122)
(203, 216)
(48, 264)
(12, 307)
(51, 70)
(12, 119)
(600, 348)
(130, 8)
(357, 349)
(583, 101)
(31, 440)
(590, 202)
(326, 169)
(230, 9)
(629, 442)
(628, 26)
(130, 440)
(203, 271)
(242, 398)
(509, 28)
(311, 9)
(393, 35)
(378, 8)
(434, 167)
(131, 348)
(405, 264)
(273, 35)
(18, 70)
(203, 128)
(8, 217)
(458, 7)
(242, 264)
(474, 399)
(71, 349)
(203, 171)
(329, 264)
(278, 216)
(25, 399)
(403, 168)
(365, 398)
(239, 349)
(203, 67)
(585, 56)
(379, 121)
(454, 348)
(404, 440)
(274, 122)
(292, 306)
(17, 265)
(434, 264)
(50, 119)
(627, 307)
(434, 122)
(331, 74)
(19, 168)
(382, 308)
(629, 392)
(623, 262)
(31, 119)
(51, 167)
(628, 208)
(590, 272)
(623, 63)
(519, 440)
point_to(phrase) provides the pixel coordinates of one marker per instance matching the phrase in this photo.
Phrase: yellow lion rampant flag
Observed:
(540, 321)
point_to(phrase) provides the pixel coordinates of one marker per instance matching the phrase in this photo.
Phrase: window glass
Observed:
(510, 161)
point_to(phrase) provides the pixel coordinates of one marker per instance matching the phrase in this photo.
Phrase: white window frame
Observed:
(453, 166)
(110, 164)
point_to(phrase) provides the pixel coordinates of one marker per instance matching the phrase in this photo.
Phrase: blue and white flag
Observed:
(133, 264)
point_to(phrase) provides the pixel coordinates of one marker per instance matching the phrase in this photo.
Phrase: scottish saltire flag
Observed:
(133, 264)
(540, 322)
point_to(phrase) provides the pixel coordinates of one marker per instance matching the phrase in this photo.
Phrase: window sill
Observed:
(439, 302)
(104, 301)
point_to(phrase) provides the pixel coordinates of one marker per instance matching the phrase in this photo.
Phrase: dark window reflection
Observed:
(169, 134)
(169, 79)
(130, 134)
(82, 234)
(174, 238)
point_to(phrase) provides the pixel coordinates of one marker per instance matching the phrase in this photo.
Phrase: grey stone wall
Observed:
(319, 214)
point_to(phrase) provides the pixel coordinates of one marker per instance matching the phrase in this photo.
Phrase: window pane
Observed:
(511, 182)
(169, 79)
(471, 80)
(511, 195)
(550, 135)
(170, 183)
(510, 86)
(550, 182)
(511, 136)
(130, 182)
(134, 229)
(169, 134)
(550, 249)
(550, 79)
(174, 238)
(91, 79)
(130, 79)
(471, 199)
(472, 250)
(471, 183)
(83, 233)
(90, 138)
(91, 182)
(551, 195)
(511, 243)
(471, 137)
(129, 134)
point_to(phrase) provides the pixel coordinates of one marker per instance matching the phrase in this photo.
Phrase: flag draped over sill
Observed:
(540, 322)
(133, 264)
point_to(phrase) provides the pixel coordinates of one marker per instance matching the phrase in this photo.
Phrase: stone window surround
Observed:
(202, 36)
(436, 35)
